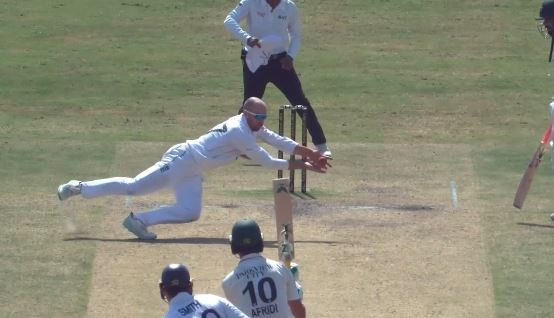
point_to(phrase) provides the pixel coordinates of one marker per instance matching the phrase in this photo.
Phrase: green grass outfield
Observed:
(79, 77)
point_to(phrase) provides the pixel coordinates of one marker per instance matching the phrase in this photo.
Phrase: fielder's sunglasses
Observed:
(259, 117)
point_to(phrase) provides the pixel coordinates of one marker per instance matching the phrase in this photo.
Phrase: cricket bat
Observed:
(527, 178)
(283, 220)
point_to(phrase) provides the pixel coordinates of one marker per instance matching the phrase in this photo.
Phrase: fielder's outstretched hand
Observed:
(322, 163)
(309, 166)
(315, 160)
(300, 164)
(319, 161)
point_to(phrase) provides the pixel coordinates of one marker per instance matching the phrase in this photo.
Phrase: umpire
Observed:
(269, 19)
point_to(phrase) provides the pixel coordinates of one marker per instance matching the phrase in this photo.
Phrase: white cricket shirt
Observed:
(261, 287)
(262, 21)
(201, 306)
(232, 138)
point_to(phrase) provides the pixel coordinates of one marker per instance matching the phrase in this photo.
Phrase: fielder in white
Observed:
(176, 290)
(182, 166)
(258, 286)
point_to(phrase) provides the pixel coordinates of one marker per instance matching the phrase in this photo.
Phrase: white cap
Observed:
(258, 56)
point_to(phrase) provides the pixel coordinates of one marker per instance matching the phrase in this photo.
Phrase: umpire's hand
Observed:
(253, 41)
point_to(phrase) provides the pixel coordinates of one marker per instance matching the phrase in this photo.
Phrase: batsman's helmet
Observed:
(175, 279)
(246, 237)
(547, 9)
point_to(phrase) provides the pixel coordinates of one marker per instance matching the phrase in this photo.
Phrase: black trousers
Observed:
(289, 84)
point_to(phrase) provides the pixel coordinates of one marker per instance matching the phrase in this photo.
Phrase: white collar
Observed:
(180, 297)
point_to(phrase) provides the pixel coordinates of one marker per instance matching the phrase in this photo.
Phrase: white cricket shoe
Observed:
(324, 150)
(138, 228)
(69, 189)
(552, 216)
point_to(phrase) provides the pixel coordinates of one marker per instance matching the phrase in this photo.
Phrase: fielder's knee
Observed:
(188, 215)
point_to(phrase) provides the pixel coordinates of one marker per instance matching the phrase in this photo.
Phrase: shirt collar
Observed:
(250, 256)
(181, 297)
(270, 7)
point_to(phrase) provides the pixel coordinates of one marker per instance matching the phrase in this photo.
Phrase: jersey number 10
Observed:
(251, 290)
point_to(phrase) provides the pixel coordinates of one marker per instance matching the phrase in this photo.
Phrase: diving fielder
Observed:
(182, 166)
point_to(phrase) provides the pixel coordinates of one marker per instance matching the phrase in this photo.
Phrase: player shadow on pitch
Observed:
(185, 240)
(536, 225)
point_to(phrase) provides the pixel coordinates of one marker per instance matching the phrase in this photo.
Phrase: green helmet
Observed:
(246, 238)
(547, 9)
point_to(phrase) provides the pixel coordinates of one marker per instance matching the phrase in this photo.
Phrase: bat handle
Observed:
(286, 247)
(287, 261)
(286, 253)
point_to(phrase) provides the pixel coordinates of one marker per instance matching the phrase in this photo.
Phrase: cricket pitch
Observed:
(381, 239)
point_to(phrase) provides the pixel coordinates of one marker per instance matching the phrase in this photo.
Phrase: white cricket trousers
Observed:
(177, 169)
